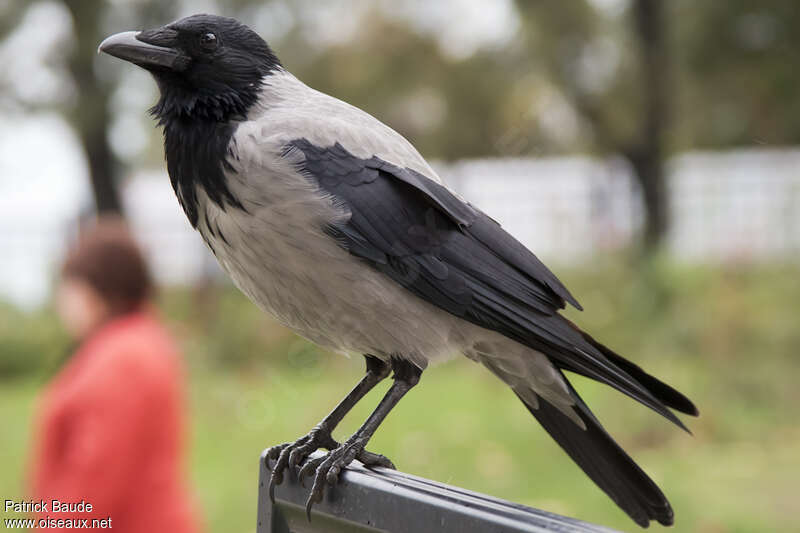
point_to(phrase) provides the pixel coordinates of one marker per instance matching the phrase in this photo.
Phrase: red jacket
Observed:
(110, 432)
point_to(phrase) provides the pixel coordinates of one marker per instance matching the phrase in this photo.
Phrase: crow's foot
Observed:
(327, 467)
(291, 454)
(294, 453)
(368, 459)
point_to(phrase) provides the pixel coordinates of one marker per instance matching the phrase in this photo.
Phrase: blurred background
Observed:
(649, 151)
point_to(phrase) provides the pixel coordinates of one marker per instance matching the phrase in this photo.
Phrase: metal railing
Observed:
(387, 500)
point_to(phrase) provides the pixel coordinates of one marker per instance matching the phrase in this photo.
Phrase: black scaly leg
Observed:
(293, 453)
(327, 468)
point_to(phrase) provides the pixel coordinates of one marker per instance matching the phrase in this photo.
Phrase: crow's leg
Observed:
(292, 453)
(327, 468)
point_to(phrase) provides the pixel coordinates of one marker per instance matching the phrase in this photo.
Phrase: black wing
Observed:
(452, 255)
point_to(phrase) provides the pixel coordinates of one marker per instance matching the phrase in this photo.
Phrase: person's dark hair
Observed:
(107, 258)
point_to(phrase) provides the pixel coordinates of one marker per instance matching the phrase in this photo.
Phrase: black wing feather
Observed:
(666, 394)
(451, 254)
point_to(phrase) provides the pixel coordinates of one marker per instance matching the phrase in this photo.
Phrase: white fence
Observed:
(742, 205)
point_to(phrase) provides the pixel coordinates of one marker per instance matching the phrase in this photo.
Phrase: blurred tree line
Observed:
(636, 78)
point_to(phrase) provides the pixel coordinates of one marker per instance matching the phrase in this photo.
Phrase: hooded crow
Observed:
(334, 224)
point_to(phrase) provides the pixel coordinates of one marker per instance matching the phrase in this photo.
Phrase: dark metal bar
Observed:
(368, 500)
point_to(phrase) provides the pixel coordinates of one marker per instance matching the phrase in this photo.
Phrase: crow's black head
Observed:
(207, 67)
(210, 70)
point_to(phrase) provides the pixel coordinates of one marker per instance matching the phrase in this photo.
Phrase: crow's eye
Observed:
(208, 41)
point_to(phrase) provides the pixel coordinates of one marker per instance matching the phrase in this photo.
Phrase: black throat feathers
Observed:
(197, 154)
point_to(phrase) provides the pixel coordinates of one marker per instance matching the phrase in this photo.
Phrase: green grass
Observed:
(728, 338)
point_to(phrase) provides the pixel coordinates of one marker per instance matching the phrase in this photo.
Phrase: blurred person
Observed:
(110, 426)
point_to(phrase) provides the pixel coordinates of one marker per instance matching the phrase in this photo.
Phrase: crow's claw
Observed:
(370, 460)
(327, 468)
(312, 499)
(291, 454)
(273, 453)
(309, 467)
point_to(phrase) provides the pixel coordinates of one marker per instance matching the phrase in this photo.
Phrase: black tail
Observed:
(666, 394)
(657, 388)
(605, 462)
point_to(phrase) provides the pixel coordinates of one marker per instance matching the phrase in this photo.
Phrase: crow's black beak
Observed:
(130, 46)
